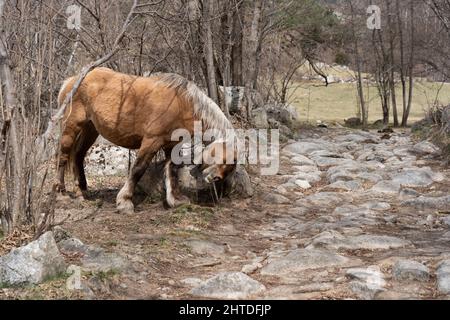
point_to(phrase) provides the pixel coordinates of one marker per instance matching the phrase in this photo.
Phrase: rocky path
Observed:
(351, 214)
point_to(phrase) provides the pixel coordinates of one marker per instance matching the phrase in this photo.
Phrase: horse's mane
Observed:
(205, 109)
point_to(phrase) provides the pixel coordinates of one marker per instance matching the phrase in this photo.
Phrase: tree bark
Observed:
(209, 51)
(254, 45)
(392, 65)
(410, 67)
(236, 54)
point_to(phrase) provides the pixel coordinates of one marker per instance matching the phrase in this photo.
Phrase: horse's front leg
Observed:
(174, 198)
(145, 155)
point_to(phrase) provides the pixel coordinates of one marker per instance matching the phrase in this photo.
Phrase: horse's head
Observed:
(218, 161)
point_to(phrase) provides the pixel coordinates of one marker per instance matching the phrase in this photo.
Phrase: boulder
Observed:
(228, 285)
(32, 264)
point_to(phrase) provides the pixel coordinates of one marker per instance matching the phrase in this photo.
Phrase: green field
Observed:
(339, 101)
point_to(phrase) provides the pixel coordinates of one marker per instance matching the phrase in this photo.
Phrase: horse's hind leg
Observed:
(145, 155)
(73, 126)
(87, 138)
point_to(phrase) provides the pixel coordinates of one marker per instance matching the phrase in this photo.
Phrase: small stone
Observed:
(203, 247)
(410, 270)
(303, 184)
(388, 187)
(302, 161)
(192, 282)
(277, 199)
(228, 285)
(250, 268)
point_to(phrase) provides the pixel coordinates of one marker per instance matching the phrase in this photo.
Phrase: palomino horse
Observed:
(135, 113)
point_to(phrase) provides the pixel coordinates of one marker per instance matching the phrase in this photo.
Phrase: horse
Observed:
(137, 113)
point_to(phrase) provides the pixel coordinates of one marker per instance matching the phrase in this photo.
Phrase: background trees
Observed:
(260, 46)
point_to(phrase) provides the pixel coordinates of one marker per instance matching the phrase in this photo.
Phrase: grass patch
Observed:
(187, 215)
(338, 101)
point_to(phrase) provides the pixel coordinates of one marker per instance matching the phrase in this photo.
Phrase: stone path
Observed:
(349, 216)
(354, 216)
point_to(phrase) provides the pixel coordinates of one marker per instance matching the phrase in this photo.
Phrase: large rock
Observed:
(105, 159)
(367, 282)
(417, 177)
(259, 118)
(302, 259)
(421, 203)
(336, 241)
(410, 270)
(443, 277)
(425, 148)
(32, 264)
(303, 148)
(228, 285)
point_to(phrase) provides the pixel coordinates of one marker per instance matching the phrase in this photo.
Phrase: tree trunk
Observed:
(209, 51)
(392, 65)
(254, 45)
(11, 216)
(410, 68)
(364, 111)
(236, 54)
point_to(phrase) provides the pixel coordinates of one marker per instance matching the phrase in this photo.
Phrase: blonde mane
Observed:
(205, 109)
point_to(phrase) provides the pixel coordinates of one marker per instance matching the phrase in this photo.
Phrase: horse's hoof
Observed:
(125, 207)
(59, 188)
(180, 202)
(80, 195)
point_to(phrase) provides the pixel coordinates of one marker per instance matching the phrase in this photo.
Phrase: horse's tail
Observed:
(65, 89)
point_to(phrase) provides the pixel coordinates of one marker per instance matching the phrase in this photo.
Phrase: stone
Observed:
(369, 282)
(443, 277)
(446, 221)
(410, 270)
(303, 148)
(388, 187)
(192, 282)
(302, 259)
(276, 199)
(228, 285)
(94, 258)
(425, 148)
(408, 193)
(423, 202)
(311, 177)
(324, 199)
(377, 206)
(303, 184)
(335, 241)
(259, 118)
(420, 177)
(345, 185)
(105, 159)
(250, 268)
(204, 247)
(301, 169)
(328, 162)
(353, 122)
(34, 263)
(302, 161)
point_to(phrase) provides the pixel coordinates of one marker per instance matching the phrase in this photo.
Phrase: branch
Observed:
(60, 113)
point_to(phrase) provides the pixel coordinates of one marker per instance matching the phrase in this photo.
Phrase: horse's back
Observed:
(124, 108)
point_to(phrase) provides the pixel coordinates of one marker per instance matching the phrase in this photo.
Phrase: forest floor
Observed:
(374, 225)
